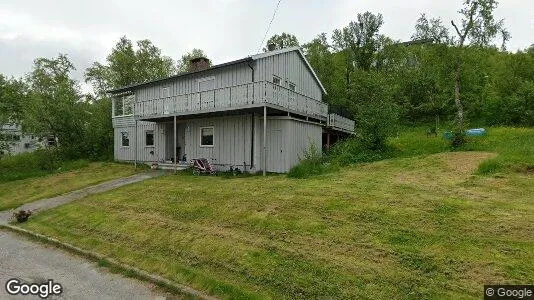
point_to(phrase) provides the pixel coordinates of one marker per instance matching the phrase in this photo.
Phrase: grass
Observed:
(420, 226)
(18, 192)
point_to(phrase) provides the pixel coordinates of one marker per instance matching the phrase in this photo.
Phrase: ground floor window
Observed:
(125, 140)
(206, 136)
(149, 138)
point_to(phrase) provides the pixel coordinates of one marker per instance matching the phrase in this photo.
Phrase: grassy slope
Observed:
(18, 192)
(407, 227)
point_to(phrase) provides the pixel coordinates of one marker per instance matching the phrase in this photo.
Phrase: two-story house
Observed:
(259, 113)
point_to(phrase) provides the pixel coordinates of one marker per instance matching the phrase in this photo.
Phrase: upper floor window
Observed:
(277, 80)
(165, 92)
(123, 105)
(292, 86)
(206, 84)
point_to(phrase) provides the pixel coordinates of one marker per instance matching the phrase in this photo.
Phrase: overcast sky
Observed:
(225, 29)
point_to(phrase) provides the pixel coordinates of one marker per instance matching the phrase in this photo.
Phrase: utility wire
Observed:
(269, 27)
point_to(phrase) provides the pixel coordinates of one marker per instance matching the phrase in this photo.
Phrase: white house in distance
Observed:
(16, 141)
(259, 113)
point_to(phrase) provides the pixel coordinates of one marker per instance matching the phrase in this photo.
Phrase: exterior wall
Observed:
(27, 143)
(287, 139)
(127, 124)
(290, 67)
(232, 141)
(224, 77)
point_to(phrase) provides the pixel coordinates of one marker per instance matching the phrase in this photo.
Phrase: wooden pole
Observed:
(174, 149)
(135, 147)
(264, 139)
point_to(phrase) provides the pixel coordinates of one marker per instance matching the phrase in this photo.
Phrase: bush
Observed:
(34, 164)
(353, 151)
(313, 163)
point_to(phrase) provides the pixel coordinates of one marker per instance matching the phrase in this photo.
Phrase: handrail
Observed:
(232, 96)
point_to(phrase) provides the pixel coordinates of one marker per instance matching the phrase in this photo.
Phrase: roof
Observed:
(243, 60)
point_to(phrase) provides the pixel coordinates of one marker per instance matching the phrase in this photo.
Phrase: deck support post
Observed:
(264, 139)
(135, 147)
(174, 140)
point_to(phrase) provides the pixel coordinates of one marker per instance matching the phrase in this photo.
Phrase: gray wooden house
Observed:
(259, 113)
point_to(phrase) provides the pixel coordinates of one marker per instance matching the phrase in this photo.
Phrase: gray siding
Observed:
(232, 140)
(287, 139)
(289, 66)
(224, 77)
(127, 124)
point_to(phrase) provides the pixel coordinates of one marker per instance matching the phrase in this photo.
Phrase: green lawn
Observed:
(18, 192)
(421, 226)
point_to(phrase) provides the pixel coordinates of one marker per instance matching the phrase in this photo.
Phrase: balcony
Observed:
(256, 94)
(340, 123)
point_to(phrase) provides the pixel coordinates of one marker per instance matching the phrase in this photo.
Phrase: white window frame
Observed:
(289, 84)
(203, 80)
(200, 136)
(279, 80)
(122, 140)
(123, 100)
(153, 138)
(165, 92)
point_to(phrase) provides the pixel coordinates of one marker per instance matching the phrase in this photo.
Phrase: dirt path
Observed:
(49, 203)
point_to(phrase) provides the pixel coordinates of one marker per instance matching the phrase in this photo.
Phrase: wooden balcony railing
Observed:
(336, 121)
(227, 98)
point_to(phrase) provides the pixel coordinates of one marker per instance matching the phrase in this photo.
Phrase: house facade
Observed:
(259, 113)
(17, 142)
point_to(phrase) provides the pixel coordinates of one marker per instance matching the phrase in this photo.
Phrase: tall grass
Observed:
(34, 164)
(515, 147)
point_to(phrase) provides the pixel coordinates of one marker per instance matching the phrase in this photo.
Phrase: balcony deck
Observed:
(340, 123)
(244, 96)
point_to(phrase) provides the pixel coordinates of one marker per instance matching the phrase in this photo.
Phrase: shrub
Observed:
(354, 150)
(313, 163)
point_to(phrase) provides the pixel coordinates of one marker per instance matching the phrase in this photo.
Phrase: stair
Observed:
(170, 166)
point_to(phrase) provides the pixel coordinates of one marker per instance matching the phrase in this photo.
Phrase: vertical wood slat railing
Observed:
(234, 96)
(340, 122)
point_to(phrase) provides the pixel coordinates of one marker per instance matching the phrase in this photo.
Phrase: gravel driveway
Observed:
(34, 262)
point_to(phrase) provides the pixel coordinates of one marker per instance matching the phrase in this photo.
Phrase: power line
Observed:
(269, 27)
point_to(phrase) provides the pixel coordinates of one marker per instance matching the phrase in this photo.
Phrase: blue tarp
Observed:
(469, 132)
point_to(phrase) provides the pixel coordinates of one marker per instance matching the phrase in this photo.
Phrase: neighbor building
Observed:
(17, 142)
(259, 113)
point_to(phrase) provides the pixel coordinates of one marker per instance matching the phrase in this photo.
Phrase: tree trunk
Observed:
(457, 101)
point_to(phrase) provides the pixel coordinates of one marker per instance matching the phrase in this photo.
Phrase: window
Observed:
(149, 138)
(292, 86)
(125, 140)
(206, 136)
(165, 92)
(277, 80)
(124, 105)
(206, 84)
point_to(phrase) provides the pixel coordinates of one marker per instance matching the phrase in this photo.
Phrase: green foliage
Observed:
(375, 112)
(126, 66)
(185, 61)
(354, 150)
(34, 164)
(281, 41)
(312, 163)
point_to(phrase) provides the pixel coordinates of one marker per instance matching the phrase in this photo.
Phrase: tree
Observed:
(12, 99)
(477, 27)
(127, 66)
(53, 106)
(185, 61)
(360, 38)
(281, 41)
(431, 29)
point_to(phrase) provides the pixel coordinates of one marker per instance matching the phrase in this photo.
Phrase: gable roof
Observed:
(246, 59)
(302, 56)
